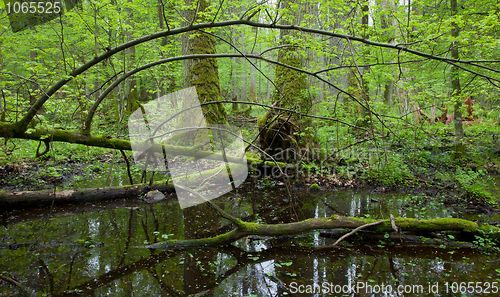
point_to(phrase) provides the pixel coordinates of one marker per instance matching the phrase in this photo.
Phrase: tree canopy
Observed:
(70, 70)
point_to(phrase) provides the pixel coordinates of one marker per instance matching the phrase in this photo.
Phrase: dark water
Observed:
(89, 250)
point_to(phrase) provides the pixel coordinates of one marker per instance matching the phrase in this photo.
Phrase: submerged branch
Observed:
(222, 213)
(13, 282)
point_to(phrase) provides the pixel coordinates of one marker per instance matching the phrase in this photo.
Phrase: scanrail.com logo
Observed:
(205, 160)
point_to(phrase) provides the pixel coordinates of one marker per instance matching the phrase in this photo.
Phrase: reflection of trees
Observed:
(372, 264)
(119, 273)
(121, 268)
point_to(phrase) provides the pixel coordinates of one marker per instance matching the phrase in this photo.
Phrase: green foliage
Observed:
(475, 183)
(392, 171)
(485, 242)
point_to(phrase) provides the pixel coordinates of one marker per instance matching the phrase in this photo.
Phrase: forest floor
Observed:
(475, 185)
(410, 163)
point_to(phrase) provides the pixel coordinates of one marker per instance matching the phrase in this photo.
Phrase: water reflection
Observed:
(91, 250)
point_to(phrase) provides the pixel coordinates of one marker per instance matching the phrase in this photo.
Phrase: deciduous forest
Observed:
(249, 148)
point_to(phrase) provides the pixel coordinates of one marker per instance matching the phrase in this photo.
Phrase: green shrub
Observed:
(390, 171)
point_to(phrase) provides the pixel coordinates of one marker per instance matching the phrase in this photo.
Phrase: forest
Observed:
(249, 148)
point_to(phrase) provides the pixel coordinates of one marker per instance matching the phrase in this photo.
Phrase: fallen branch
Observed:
(356, 230)
(334, 222)
(30, 199)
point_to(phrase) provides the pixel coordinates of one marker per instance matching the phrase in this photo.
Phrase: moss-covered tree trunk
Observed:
(203, 73)
(285, 131)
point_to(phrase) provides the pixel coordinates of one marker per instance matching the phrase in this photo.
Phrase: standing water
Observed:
(94, 250)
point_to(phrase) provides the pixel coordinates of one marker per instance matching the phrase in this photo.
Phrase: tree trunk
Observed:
(290, 83)
(203, 73)
(281, 133)
(455, 87)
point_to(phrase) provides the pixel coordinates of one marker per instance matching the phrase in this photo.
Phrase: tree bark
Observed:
(281, 132)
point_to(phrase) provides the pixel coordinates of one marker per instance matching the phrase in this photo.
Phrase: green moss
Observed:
(252, 156)
(204, 75)
(254, 161)
(423, 225)
(488, 229)
(261, 121)
(425, 239)
(314, 187)
(271, 163)
(249, 226)
(440, 223)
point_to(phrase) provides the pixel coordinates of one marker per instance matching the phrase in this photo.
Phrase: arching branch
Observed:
(23, 123)
(90, 115)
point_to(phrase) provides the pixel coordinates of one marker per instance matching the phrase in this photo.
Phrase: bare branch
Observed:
(356, 230)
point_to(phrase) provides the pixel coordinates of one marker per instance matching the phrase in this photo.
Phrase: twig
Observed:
(356, 230)
(47, 148)
(196, 14)
(218, 10)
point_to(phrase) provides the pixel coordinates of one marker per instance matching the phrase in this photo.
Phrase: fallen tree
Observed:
(43, 134)
(245, 229)
(31, 199)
